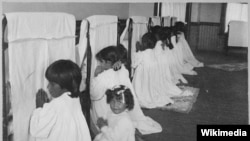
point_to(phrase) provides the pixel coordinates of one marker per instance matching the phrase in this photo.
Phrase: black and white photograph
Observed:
(143, 70)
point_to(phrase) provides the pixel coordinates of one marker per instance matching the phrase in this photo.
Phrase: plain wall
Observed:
(141, 9)
(206, 12)
(194, 12)
(79, 10)
(210, 12)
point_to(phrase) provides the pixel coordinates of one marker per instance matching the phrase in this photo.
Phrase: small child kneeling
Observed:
(118, 126)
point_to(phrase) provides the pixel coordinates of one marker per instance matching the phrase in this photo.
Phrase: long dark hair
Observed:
(67, 74)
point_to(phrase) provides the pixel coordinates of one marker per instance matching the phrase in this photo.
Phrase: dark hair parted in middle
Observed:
(117, 93)
(67, 74)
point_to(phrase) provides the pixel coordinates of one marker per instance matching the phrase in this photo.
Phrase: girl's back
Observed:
(60, 120)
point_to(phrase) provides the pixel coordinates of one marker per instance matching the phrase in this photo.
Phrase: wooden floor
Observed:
(222, 100)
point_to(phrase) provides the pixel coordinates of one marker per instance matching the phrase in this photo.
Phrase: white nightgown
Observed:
(152, 81)
(99, 108)
(187, 53)
(166, 58)
(60, 120)
(120, 128)
(181, 65)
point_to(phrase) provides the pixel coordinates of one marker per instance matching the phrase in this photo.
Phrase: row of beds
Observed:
(85, 62)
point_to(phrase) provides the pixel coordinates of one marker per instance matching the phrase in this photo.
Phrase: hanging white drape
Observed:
(174, 10)
(156, 21)
(140, 27)
(35, 40)
(102, 33)
(236, 11)
(166, 20)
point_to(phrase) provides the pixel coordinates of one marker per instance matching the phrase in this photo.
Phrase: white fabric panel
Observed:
(173, 21)
(140, 27)
(103, 33)
(28, 60)
(167, 21)
(124, 35)
(26, 25)
(156, 20)
(174, 10)
(26, 77)
(238, 34)
(63, 48)
(139, 19)
(100, 20)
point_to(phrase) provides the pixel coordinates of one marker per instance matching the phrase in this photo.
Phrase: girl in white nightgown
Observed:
(62, 118)
(188, 57)
(153, 82)
(106, 78)
(118, 126)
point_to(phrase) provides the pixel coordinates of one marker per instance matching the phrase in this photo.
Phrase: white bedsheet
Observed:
(35, 41)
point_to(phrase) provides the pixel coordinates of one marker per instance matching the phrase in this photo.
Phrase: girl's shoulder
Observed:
(100, 72)
(61, 99)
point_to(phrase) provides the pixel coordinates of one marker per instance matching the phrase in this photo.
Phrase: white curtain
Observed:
(35, 40)
(236, 11)
(103, 33)
(156, 21)
(174, 10)
(140, 27)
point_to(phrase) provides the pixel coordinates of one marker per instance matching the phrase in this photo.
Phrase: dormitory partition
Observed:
(139, 26)
(166, 21)
(41, 54)
(153, 21)
(97, 32)
(38, 46)
(34, 41)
